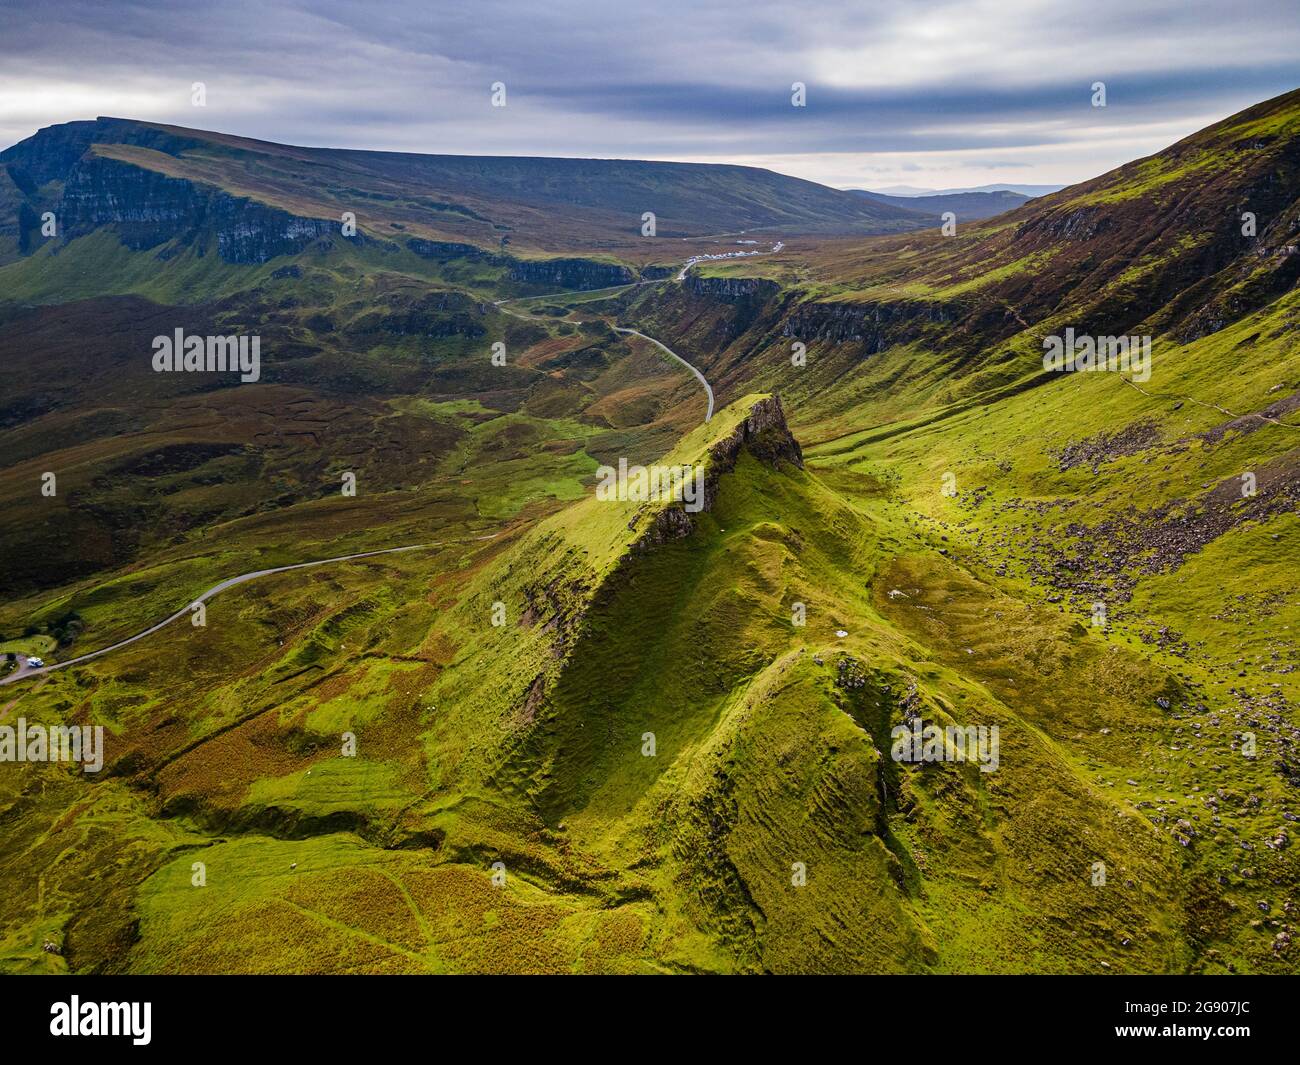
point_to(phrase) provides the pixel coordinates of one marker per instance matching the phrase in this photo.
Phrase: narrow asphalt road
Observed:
(681, 276)
(672, 354)
(22, 670)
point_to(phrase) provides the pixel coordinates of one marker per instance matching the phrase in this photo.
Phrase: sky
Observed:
(898, 92)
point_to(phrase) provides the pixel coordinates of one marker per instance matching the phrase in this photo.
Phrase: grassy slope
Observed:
(1223, 619)
(523, 743)
(615, 860)
(1190, 571)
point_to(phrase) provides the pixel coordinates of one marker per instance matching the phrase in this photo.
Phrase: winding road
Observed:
(22, 670)
(680, 276)
(708, 389)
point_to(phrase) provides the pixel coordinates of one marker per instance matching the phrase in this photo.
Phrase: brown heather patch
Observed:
(394, 733)
(334, 687)
(551, 347)
(148, 743)
(562, 447)
(365, 899)
(635, 405)
(485, 928)
(409, 682)
(621, 932)
(439, 648)
(69, 817)
(220, 770)
(225, 949)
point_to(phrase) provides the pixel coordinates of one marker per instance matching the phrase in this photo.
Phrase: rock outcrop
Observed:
(764, 434)
(581, 274)
(732, 289)
(876, 325)
(443, 251)
(150, 208)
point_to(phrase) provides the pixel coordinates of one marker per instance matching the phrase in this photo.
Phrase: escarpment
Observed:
(579, 274)
(763, 433)
(732, 289)
(876, 325)
(149, 208)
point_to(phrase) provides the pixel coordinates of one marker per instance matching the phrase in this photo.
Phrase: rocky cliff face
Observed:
(250, 232)
(764, 434)
(150, 208)
(17, 218)
(581, 274)
(732, 289)
(56, 169)
(444, 251)
(876, 325)
(51, 153)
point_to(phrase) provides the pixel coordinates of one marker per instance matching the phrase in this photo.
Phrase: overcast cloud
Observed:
(914, 92)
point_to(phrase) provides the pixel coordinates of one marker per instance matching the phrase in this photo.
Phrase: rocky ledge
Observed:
(579, 274)
(764, 434)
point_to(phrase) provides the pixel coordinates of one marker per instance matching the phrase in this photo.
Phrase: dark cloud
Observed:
(948, 89)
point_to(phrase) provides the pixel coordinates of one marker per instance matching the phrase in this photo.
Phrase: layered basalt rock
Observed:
(581, 274)
(732, 289)
(875, 325)
(444, 251)
(149, 208)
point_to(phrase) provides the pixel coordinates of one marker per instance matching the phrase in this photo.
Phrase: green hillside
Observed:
(588, 735)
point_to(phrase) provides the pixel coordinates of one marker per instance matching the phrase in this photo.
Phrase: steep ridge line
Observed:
(230, 582)
(23, 672)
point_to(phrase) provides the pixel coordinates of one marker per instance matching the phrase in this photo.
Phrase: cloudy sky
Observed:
(916, 92)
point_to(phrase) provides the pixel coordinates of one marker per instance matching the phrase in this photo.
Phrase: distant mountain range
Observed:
(907, 191)
(983, 201)
(967, 206)
(95, 173)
